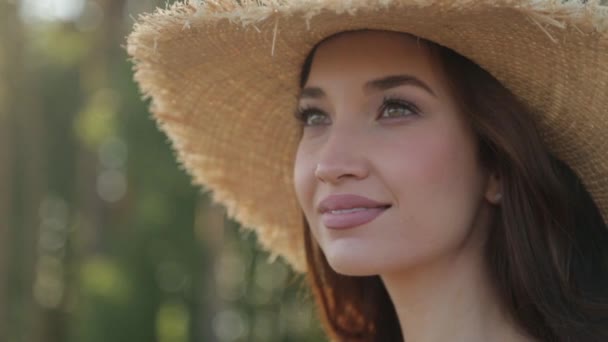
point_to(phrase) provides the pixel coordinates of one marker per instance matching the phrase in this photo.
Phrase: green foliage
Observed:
(98, 118)
(103, 279)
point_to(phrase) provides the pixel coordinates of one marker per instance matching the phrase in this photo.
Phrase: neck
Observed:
(450, 300)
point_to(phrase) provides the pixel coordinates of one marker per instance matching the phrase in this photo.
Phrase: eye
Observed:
(311, 116)
(396, 108)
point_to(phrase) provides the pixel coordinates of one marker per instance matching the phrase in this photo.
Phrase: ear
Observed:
(493, 192)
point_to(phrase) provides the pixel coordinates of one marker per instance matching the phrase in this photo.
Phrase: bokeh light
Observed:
(51, 9)
(229, 325)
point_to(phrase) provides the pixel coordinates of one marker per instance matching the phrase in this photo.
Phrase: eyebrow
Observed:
(394, 81)
(383, 83)
(312, 93)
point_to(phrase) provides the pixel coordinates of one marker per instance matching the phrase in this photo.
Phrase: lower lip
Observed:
(350, 220)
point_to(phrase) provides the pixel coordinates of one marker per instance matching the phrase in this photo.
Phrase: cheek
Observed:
(437, 184)
(303, 173)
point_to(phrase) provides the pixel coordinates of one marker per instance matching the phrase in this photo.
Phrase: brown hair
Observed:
(547, 251)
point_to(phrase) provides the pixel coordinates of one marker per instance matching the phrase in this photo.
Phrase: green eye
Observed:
(393, 112)
(312, 117)
(397, 109)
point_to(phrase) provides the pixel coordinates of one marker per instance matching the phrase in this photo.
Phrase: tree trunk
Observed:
(7, 13)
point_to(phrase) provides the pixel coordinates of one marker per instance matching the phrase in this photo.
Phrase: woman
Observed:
(432, 196)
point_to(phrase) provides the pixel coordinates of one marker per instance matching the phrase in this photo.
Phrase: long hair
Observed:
(547, 250)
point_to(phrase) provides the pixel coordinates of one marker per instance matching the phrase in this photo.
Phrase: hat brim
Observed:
(224, 77)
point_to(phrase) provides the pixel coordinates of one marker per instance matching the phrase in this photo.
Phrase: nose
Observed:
(341, 157)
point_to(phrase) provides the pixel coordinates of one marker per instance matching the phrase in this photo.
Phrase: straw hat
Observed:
(223, 76)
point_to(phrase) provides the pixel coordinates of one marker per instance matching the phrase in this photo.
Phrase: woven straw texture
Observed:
(223, 79)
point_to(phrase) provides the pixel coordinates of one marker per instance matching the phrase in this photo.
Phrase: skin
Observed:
(417, 153)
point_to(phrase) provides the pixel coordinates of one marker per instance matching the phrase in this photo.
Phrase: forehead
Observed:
(368, 54)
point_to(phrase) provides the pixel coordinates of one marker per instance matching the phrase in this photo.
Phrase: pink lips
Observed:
(348, 211)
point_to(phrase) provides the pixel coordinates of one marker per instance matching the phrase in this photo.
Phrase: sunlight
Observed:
(52, 10)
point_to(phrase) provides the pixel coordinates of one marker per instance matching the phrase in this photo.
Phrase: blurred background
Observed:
(103, 238)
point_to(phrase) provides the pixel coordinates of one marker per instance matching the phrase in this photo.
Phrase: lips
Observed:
(348, 211)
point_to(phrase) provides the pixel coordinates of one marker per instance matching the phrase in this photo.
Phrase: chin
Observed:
(352, 261)
(353, 269)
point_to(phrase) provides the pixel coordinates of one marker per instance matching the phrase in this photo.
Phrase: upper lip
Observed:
(348, 201)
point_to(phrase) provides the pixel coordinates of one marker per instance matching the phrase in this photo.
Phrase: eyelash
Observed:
(303, 113)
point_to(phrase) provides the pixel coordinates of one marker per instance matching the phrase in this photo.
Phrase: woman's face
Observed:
(387, 149)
